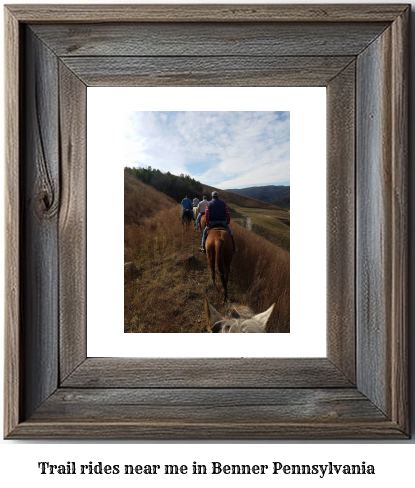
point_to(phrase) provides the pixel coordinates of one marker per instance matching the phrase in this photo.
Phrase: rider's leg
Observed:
(204, 239)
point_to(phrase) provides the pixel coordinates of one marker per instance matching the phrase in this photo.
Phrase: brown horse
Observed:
(186, 218)
(202, 223)
(219, 251)
(241, 319)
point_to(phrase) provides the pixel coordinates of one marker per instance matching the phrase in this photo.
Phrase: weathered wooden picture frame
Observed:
(360, 53)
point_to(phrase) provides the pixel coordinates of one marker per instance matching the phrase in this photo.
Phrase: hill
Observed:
(273, 224)
(176, 187)
(262, 218)
(231, 197)
(141, 201)
(272, 194)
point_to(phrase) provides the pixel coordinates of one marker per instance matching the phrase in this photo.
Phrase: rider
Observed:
(216, 213)
(195, 204)
(201, 210)
(186, 205)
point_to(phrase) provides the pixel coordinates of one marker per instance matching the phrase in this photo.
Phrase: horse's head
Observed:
(242, 320)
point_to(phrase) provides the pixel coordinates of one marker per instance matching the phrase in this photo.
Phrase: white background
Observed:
(393, 461)
(105, 217)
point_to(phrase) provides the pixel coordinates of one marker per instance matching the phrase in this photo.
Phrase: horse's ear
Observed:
(234, 313)
(217, 327)
(263, 317)
(212, 316)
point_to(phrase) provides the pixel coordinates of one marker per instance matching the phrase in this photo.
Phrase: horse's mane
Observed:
(238, 326)
(239, 318)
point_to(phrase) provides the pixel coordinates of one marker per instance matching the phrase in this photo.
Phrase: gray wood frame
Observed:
(359, 52)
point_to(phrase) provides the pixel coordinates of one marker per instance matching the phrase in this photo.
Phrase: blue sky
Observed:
(221, 149)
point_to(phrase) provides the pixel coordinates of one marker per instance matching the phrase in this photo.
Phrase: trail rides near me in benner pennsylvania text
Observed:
(216, 468)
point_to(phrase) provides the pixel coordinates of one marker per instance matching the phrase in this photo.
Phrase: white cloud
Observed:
(215, 147)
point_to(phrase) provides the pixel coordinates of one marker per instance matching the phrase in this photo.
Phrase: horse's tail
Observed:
(220, 264)
(219, 247)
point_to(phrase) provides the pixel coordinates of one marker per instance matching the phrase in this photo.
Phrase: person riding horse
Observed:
(201, 208)
(195, 204)
(216, 214)
(186, 205)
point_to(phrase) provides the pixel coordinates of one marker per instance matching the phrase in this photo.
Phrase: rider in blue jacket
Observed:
(187, 204)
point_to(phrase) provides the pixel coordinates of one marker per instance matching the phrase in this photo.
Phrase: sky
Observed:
(220, 149)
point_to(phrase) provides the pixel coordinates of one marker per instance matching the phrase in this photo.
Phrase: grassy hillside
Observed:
(176, 187)
(266, 220)
(272, 194)
(166, 291)
(272, 224)
(141, 201)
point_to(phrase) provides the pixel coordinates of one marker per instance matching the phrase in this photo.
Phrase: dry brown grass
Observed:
(141, 201)
(168, 297)
(261, 272)
(165, 296)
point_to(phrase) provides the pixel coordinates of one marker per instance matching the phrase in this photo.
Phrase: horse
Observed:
(240, 320)
(186, 218)
(202, 223)
(219, 251)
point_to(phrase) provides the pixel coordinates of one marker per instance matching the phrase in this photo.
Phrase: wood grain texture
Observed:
(206, 13)
(374, 169)
(341, 237)
(382, 223)
(39, 258)
(185, 430)
(209, 405)
(198, 39)
(72, 222)
(206, 71)
(400, 262)
(13, 382)
(206, 373)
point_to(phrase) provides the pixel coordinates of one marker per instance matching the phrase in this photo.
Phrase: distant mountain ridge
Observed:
(272, 194)
(236, 198)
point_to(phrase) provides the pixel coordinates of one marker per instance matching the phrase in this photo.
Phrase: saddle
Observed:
(218, 227)
(221, 227)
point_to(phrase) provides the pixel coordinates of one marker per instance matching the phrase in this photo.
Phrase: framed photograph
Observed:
(53, 388)
(207, 164)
